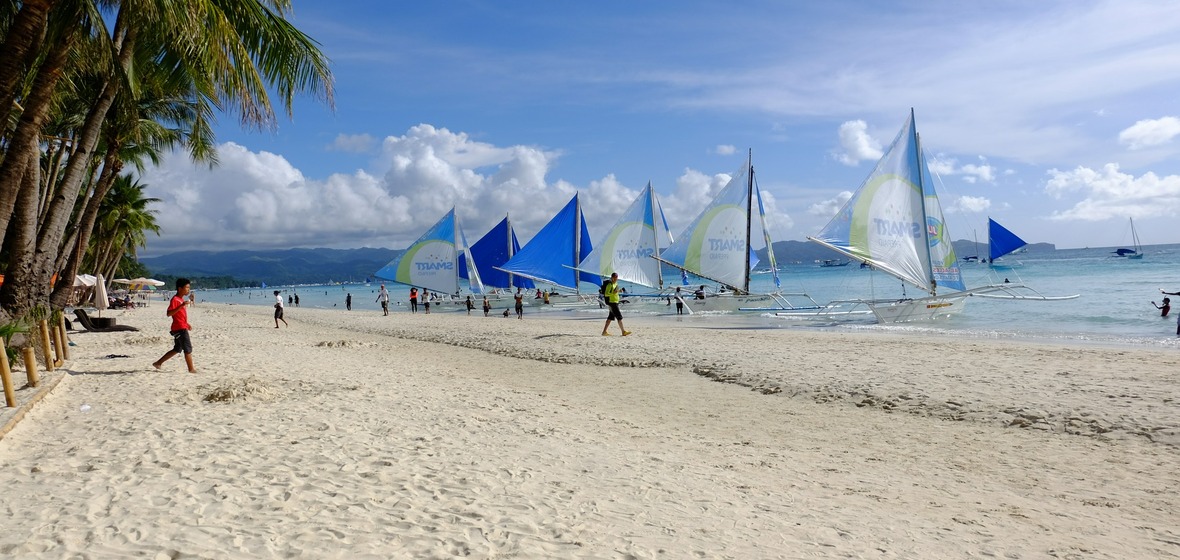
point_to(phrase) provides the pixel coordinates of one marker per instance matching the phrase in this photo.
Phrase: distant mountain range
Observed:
(289, 266)
(315, 266)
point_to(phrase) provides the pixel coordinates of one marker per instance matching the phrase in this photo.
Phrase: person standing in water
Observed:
(348, 302)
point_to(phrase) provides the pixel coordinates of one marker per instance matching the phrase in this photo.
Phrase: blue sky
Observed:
(1059, 119)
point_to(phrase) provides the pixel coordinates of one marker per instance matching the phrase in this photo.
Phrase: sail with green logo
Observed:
(431, 262)
(627, 249)
(716, 245)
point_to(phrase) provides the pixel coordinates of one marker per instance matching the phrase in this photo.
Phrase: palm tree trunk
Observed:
(28, 129)
(52, 230)
(20, 48)
(20, 292)
(75, 247)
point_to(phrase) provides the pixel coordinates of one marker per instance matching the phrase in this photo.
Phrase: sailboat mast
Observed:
(749, 214)
(577, 240)
(508, 241)
(922, 196)
(456, 240)
(651, 198)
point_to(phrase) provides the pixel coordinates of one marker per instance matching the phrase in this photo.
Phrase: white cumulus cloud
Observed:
(970, 204)
(1110, 193)
(354, 143)
(856, 144)
(829, 207)
(725, 149)
(260, 200)
(1150, 132)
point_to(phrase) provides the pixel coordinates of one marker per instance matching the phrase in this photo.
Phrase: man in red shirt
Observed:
(178, 310)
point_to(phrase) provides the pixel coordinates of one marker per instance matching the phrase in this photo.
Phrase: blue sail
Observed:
(552, 255)
(492, 251)
(1000, 241)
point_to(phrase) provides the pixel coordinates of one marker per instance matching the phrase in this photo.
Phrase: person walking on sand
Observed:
(178, 311)
(679, 302)
(279, 310)
(487, 306)
(470, 305)
(519, 304)
(383, 297)
(348, 302)
(426, 300)
(413, 300)
(611, 291)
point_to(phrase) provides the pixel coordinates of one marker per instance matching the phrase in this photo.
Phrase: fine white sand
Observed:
(353, 435)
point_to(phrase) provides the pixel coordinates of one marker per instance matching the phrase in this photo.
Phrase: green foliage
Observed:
(9, 330)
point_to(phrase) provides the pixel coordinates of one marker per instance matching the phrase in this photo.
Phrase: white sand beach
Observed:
(354, 435)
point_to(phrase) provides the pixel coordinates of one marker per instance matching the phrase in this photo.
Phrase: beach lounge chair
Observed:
(88, 325)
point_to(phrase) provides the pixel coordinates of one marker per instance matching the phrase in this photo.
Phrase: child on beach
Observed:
(178, 310)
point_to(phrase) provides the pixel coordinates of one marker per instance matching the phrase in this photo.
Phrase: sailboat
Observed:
(431, 262)
(1137, 252)
(717, 246)
(554, 253)
(894, 223)
(1001, 241)
(492, 250)
(628, 247)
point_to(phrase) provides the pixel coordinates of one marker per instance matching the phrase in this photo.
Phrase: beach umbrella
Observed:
(100, 294)
(83, 280)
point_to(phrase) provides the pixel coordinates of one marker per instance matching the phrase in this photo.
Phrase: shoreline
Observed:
(415, 435)
(1164, 340)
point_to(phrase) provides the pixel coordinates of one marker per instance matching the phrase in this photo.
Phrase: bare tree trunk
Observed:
(20, 48)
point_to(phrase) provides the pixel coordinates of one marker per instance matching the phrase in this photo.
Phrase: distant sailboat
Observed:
(1137, 252)
(628, 247)
(552, 255)
(1001, 241)
(431, 261)
(894, 223)
(492, 250)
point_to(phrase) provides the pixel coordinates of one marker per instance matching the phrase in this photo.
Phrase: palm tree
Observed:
(125, 221)
(231, 51)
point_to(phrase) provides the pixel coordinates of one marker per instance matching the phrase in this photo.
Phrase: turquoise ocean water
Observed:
(1114, 306)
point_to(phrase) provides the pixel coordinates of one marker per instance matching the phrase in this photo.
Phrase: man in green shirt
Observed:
(611, 292)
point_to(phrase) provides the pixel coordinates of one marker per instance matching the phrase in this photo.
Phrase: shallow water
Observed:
(1113, 307)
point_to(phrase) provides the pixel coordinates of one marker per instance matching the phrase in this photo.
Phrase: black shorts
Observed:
(181, 342)
(614, 312)
(384, 305)
(278, 313)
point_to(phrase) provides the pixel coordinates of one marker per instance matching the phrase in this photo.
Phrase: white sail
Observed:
(716, 245)
(627, 249)
(894, 221)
